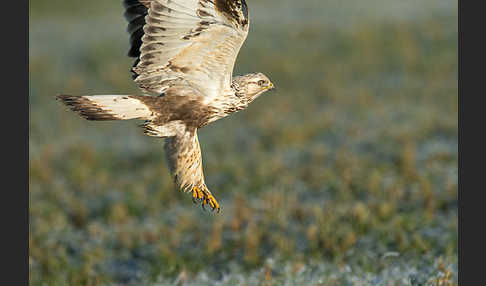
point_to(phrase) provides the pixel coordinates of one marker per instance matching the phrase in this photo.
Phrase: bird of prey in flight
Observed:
(185, 52)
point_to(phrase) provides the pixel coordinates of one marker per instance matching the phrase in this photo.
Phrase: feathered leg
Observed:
(185, 163)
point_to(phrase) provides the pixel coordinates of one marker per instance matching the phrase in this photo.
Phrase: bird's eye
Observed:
(261, 82)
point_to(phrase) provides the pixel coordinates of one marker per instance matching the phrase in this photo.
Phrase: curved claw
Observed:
(206, 198)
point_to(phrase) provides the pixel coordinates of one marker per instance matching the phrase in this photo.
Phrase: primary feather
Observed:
(194, 41)
(185, 52)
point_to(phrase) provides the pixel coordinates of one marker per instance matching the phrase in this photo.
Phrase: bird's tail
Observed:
(108, 107)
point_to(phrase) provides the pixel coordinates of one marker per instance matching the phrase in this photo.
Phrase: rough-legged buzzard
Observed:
(185, 51)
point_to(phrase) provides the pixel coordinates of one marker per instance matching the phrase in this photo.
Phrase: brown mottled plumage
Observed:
(185, 52)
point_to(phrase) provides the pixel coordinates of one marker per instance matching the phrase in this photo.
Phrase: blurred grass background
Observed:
(346, 175)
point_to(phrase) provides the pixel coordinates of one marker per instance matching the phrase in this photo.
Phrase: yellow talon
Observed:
(212, 201)
(197, 193)
(205, 197)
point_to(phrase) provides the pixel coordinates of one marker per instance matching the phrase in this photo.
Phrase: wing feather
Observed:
(191, 41)
(135, 12)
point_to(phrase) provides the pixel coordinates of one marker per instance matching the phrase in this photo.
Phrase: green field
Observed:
(345, 175)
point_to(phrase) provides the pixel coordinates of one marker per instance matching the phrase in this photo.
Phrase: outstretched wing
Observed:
(192, 42)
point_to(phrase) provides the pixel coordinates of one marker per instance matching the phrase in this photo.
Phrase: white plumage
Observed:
(120, 106)
(185, 52)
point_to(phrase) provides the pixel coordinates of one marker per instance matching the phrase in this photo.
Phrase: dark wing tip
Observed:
(135, 12)
(234, 10)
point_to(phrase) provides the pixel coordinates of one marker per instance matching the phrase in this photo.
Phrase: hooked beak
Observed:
(270, 86)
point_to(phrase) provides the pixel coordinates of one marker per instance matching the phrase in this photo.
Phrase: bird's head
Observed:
(251, 86)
